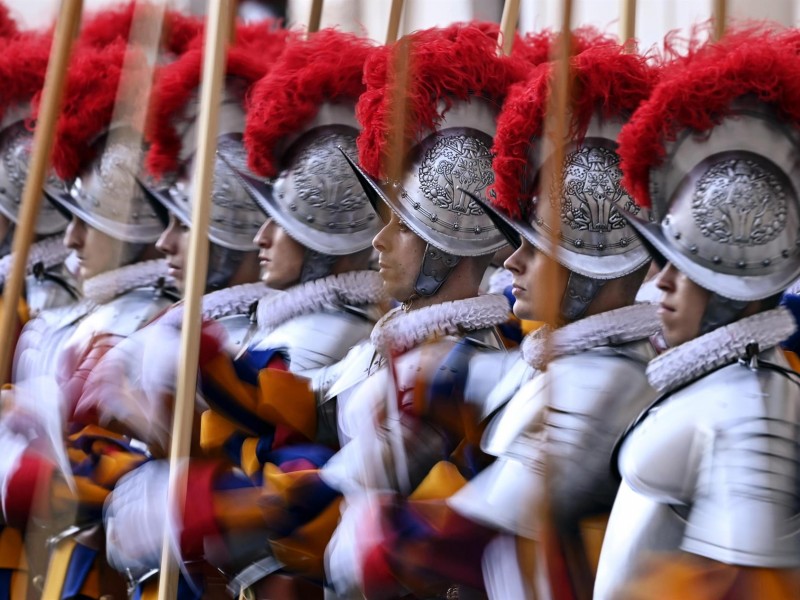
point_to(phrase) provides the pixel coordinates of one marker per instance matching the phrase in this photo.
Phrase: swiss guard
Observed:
(708, 502)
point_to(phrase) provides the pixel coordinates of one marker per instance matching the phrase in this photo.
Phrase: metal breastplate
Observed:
(318, 339)
(237, 327)
(726, 448)
(125, 314)
(555, 438)
(50, 289)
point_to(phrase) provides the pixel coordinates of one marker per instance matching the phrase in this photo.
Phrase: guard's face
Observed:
(538, 283)
(682, 305)
(174, 243)
(95, 251)
(400, 254)
(281, 257)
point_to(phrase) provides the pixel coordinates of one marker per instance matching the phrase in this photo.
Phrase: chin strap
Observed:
(433, 272)
(222, 266)
(720, 311)
(316, 265)
(578, 295)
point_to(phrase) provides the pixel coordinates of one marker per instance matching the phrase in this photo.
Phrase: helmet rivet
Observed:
(741, 264)
(677, 235)
(434, 218)
(478, 229)
(539, 221)
(601, 246)
(693, 249)
(416, 204)
(455, 226)
(624, 242)
(431, 253)
(293, 207)
(716, 260)
(404, 194)
(310, 218)
(785, 254)
(766, 262)
(371, 216)
(578, 243)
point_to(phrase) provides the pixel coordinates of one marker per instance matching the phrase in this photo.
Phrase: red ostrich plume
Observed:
(328, 67)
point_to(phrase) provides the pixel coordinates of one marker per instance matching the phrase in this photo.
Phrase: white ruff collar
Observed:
(50, 252)
(610, 328)
(235, 300)
(105, 287)
(355, 288)
(691, 360)
(398, 331)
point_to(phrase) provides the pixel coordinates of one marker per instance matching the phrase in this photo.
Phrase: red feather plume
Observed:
(256, 46)
(328, 67)
(696, 93)
(104, 27)
(8, 26)
(605, 78)
(90, 101)
(449, 64)
(23, 64)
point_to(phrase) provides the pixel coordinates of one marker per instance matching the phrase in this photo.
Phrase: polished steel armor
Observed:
(586, 221)
(15, 153)
(315, 197)
(712, 471)
(434, 194)
(729, 207)
(105, 194)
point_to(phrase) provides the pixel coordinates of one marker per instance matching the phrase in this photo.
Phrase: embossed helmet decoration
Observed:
(301, 113)
(585, 221)
(717, 158)
(100, 158)
(235, 218)
(23, 63)
(455, 88)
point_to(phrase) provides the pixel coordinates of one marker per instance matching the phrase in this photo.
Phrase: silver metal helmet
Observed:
(234, 218)
(316, 197)
(586, 221)
(440, 177)
(15, 153)
(105, 194)
(728, 205)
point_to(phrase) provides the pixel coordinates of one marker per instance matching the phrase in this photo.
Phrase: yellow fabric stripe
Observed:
(287, 399)
(57, 568)
(111, 467)
(442, 481)
(214, 430)
(236, 510)
(10, 548)
(249, 460)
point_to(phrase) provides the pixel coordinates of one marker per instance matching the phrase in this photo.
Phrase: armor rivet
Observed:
(624, 242)
(455, 226)
(432, 254)
(693, 249)
(578, 243)
(478, 229)
(785, 254)
(404, 194)
(741, 264)
(540, 221)
(716, 260)
(434, 273)
(766, 262)
(434, 218)
(601, 247)
(416, 204)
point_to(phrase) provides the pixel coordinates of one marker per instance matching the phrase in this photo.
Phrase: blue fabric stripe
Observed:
(5, 583)
(80, 565)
